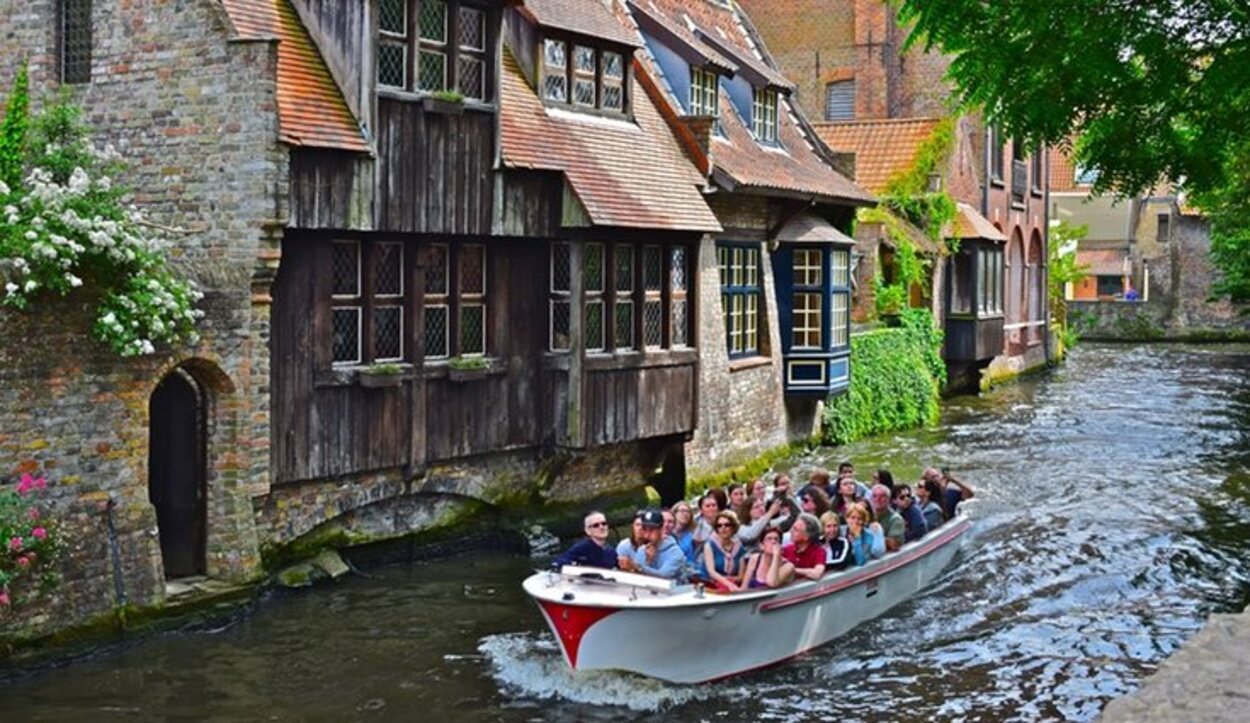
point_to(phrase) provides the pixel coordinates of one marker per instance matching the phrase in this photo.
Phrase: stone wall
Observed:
(742, 411)
(186, 109)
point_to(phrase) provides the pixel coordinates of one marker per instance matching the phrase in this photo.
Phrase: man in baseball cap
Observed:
(661, 556)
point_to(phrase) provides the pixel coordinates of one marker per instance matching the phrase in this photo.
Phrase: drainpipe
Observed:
(1046, 255)
(119, 582)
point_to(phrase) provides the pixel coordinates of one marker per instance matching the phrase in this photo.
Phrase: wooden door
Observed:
(176, 473)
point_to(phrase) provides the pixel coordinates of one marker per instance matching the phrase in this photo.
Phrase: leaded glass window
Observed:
(555, 70)
(623, 315)
(613, 80)
(678, 274)
(393, 44)
(653, 301)
(75, 41)
(584, 76)
(471, 60)
(388, 296)
(437, 307)
(594, 283)
(432, 57)
(560, 292)
(346, 310)
(472, 300)
(433, 46)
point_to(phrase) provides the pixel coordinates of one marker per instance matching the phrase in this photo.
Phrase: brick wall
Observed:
(811, 52)
(187, 110)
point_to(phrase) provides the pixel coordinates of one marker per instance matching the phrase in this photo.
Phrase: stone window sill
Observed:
(750, 362)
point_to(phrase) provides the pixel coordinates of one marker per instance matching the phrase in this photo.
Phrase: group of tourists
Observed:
(765, 536)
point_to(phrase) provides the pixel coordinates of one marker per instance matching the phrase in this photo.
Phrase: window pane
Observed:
(840, 317)
(613, 97)
(624, 268)
(471, 80)
(346, 265)
(677, 271)
(555, 84)
(751, 317)
(393, 16)
(388, 269)
(807, 327)
(560, 264)
(436, 272)
(652, 268)
(432, 71)
(472, 329)
(653, 323)
(584, 59)
(624, 331)
(472, 29)
(393, 65)
(346, 334)
(433, 21)
(840, 267)
(473, 269)
(613, 65)
(735, 323)
(752, 267)
(436, 331)
(807, 267)
(681, 322)
(594, 326)
(594, 268)
(76, 41)
(388, 333)
(559, 325)
(584, 92)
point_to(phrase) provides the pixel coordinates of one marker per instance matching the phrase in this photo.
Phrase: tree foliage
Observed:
(1062, 269)
(1150, 90)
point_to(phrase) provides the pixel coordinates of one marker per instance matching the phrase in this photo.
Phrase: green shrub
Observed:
(896, 375)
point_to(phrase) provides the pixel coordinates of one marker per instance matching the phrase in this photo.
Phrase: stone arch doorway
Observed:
(177, 472)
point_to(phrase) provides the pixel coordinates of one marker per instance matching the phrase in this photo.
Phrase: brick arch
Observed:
(1037, 276)
(1015, 286)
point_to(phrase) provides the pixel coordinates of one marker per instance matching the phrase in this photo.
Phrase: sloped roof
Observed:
(1102, 262)
(807, 227)
(588, 17)
(1063, 172)
(969, 224)
(311, 108)
(882, 148)
(739, 161)
(628, 174)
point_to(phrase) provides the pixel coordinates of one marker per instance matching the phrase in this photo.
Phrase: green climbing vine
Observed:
(908, 202)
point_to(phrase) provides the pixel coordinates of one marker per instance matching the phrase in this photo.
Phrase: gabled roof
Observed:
(311, 108)
(587, 17)
(739, 162)
(625, 173)
(969, 224)
(882, 148)
(809, 228)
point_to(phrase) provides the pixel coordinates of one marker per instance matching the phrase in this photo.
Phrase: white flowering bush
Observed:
(64, 225)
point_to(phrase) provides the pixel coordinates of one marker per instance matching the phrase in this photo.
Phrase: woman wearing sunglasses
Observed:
(723, 553)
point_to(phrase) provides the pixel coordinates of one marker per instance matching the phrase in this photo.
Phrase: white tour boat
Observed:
(613, 620)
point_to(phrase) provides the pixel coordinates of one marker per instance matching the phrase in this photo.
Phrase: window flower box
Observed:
(380, 376)
(446, 102)
(465, 369)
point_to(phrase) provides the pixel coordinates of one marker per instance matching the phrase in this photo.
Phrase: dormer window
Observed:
(704, 92)
(446, 49)
(583, 76)
(764, 115)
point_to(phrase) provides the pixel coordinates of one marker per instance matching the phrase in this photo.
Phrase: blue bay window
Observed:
(814, 309)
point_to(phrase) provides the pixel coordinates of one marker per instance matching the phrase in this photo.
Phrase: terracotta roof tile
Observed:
(969, 224)
(1062, 172)
(795, 167)
(588, 17)
(311, 109)
(627, 174)
(882, 148)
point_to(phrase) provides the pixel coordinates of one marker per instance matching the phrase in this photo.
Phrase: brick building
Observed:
(523, 267)
(880, 100)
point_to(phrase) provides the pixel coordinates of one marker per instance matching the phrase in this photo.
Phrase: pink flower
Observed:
(26, 485)
(40, 483)
(23, 561)
(39, 533)
(16, 544)
(33, 513)
(4, 599)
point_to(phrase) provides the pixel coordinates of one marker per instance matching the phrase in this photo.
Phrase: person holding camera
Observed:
(766, 568)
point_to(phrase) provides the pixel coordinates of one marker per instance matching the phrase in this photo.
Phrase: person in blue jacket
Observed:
(592, 550)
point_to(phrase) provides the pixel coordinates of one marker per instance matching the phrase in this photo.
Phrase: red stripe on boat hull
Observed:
(570, 623)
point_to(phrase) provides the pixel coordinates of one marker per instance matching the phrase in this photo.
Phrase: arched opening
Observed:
(1017, 301)
(177, 469)
(1037, 287)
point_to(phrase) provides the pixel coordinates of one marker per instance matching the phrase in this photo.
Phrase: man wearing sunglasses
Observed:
(592, 550)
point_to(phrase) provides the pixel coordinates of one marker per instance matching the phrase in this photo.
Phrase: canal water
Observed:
(1112, 516)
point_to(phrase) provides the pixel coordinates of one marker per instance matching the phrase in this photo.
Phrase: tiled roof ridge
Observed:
(879, 121)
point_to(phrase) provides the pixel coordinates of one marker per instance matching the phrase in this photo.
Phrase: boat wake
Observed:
(531, 665)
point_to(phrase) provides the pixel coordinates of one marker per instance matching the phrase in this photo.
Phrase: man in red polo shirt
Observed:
(804, 551)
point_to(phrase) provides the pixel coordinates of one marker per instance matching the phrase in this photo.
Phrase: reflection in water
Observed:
(1112, 516)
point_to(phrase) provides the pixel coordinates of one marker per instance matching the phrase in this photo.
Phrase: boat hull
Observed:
(683, 637)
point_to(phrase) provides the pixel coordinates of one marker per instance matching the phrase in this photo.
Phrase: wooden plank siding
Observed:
(627, 404)
(435, 170)
(331, 190)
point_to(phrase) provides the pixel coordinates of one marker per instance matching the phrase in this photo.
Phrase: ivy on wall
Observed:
(896, 376)
(908, 201)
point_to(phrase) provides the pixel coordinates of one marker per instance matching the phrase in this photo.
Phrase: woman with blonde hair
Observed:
(723, 553)
(866, 541)
(837, 550)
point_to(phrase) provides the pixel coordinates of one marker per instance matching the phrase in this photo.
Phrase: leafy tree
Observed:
(1150, 90)
(1062, 269)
